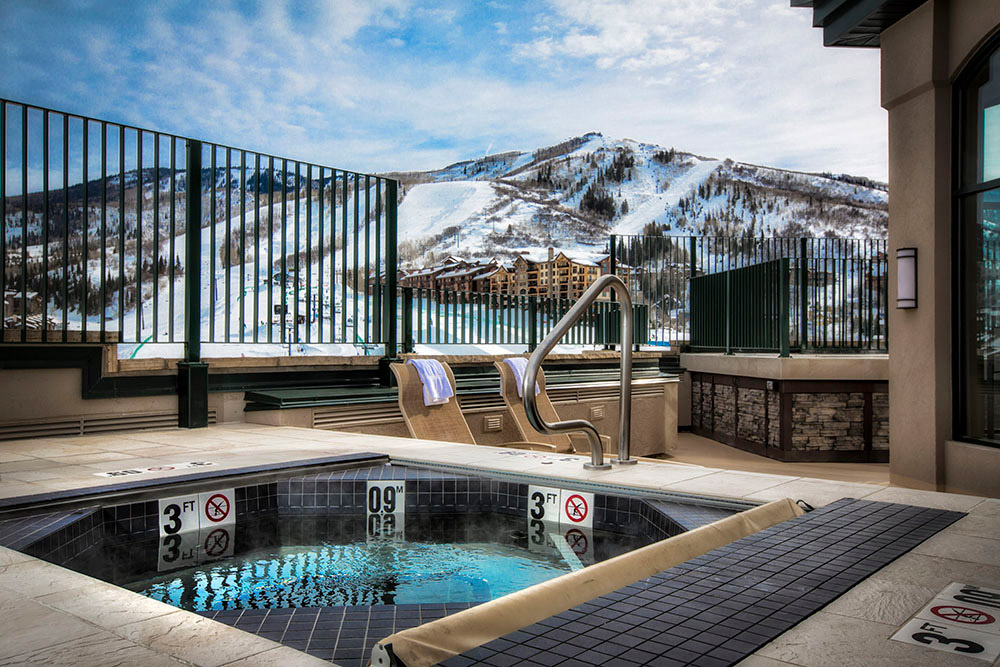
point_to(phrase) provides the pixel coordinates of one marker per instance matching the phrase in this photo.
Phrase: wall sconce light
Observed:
(906, 278)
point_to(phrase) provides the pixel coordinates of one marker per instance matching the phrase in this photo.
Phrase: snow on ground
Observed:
(653, 208)
(430, 208)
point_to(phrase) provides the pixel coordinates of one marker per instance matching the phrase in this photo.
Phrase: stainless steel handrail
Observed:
(625, 408)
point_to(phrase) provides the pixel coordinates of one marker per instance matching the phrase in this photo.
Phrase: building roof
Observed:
(426, 272)
(17, 294)
(856, 22)
(464, 272)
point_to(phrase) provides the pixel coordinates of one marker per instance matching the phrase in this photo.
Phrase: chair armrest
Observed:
(535, 446)
(581, 443)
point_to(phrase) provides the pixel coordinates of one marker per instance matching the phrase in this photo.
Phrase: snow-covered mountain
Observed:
(574, 194)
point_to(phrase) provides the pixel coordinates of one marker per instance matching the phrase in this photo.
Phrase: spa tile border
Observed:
(343, 492)
(202, 475)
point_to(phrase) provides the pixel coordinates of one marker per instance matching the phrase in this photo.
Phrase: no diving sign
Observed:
(573, 508)
(576, 509)
(962, 619)
(218, 508)
(967, 615)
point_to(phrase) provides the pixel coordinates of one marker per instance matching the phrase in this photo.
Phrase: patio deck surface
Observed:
(101, 624)
(703, 451)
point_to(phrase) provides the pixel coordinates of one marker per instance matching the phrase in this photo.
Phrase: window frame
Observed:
(960, 193)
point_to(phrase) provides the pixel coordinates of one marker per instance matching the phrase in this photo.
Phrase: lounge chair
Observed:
(444, 422)
(563, 442)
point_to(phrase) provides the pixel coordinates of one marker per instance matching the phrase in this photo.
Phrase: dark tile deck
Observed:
(21, 532)
(720, 607)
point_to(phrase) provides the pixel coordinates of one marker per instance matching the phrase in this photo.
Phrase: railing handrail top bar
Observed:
(172, 135)
(738, 239)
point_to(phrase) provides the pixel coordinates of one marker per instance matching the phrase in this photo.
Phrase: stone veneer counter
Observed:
(778, 408)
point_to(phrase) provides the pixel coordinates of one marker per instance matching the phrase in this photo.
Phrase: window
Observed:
(977, 279)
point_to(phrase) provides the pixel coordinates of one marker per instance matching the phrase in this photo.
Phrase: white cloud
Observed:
(747, 79)
(617, 31)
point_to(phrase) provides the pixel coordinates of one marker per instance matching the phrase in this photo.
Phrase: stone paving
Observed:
(100, 624)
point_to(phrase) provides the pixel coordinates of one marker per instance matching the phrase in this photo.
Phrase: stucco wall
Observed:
(52, 393)
(921, 56)
(654, 420)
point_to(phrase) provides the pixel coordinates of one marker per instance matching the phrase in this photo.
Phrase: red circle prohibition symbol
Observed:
(217, 542)
(576, 508)
(963, 615)
(577, 541)
(217, 508)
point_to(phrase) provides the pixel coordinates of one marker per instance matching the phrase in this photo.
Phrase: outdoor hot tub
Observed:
(351, 545)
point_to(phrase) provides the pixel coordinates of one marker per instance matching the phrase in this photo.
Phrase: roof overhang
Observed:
(857, 23)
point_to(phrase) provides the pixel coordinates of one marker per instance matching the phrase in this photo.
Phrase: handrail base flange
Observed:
(626, 462)
(591, 466)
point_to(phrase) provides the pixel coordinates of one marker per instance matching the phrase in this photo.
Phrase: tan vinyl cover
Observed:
(438, 640)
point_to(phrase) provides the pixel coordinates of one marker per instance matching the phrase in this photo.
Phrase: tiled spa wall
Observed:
(315, 506)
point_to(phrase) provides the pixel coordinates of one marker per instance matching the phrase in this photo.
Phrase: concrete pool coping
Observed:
(98, 620)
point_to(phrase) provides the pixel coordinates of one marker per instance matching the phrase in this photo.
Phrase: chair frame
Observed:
(444, 422)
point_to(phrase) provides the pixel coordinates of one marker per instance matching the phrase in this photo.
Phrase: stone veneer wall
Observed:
(774, 422)
(697, 410)
(880, 421)
(751, 409)
(832, 421)
(723, 410)
(822, 424)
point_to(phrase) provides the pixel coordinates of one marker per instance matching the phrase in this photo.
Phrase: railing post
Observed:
(692, 274)
(613, 270)
(390, 315)
(784, 274)
(192, 373)
(693, 256)
(803, 293)
(407, 319)
(532, 323)
(729, 311)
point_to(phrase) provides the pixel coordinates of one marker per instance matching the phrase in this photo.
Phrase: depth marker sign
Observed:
(962, 619)
(544, 503)
(160, 468)
(385, 505)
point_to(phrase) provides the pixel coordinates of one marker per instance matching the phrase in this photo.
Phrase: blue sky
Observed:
(378, 85)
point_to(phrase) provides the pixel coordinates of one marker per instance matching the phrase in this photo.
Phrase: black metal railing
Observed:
(742, 309)
(103, 239)
(442, 317)
(838, 290)
(101, 234)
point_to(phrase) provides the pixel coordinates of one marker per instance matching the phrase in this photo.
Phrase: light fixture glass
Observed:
(906, 278)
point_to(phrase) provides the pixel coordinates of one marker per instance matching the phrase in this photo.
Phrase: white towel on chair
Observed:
(518, 365)
(437, 389)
